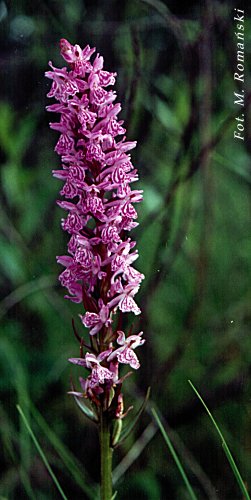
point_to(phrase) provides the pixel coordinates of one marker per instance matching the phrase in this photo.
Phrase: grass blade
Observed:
(175, 456)
(41, 453)
(225, 447)
(66, 456)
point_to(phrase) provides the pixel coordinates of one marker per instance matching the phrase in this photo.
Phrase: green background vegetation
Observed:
(175, 69)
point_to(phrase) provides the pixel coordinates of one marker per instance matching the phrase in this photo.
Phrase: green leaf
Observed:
(41, 453)
(225, 447)
(175, 456)
(86, 410)
(75, 469)
(128, 429)
(117, 428)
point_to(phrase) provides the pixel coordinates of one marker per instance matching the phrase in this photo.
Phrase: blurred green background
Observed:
(175, 67)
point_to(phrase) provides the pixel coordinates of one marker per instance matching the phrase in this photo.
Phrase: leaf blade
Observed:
(174, 455)
(225, 446)
(41, 453)
(125, 433)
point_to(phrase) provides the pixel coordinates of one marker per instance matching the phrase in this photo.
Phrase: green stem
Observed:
(106, 457)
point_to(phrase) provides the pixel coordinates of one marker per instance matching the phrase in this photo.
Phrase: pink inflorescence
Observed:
(97, 174)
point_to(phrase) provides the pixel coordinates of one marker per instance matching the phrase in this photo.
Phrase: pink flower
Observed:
(97, 174)
(99, 374)
(96, 321)
(126, 354)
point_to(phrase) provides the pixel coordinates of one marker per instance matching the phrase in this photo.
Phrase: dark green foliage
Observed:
(175, 81)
